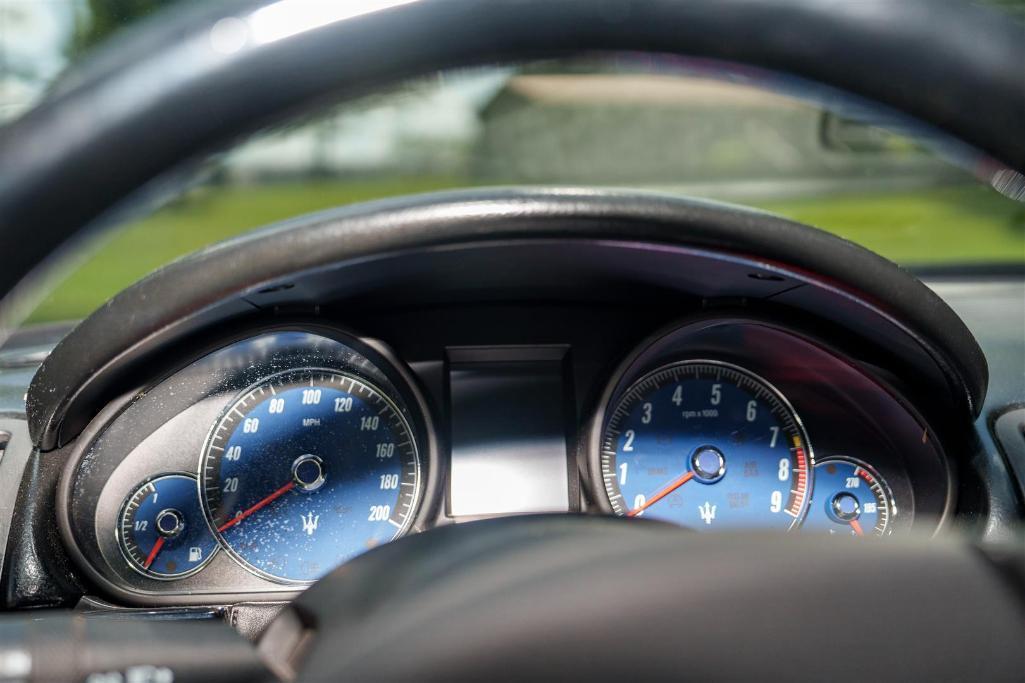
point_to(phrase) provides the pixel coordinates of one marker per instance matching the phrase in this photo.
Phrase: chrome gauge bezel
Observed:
(779, 350)
(121, 542)
(893, 511)
(414, 503)
(115, 452)
(624, 386)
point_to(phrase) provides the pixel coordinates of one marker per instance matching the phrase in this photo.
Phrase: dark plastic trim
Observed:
(87, 555)
(1008, 429)
(656, 351)
(211, 284)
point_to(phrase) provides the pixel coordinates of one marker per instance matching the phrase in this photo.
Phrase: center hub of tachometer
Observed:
(708, 464)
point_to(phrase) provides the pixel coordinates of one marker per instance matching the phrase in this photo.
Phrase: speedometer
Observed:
(307, 469)
(707, 445)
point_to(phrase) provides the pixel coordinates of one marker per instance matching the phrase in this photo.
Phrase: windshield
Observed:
(674, 126)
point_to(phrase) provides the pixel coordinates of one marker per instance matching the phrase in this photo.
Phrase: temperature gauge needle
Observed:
(856, 525)
(154, 552)
(672, 486)
(264, 502)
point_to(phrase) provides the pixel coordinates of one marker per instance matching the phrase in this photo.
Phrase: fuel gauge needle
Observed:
(154, 552)
(672, 486)
(250, 510)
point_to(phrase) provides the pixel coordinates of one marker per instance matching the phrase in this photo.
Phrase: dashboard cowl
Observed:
(828, 275)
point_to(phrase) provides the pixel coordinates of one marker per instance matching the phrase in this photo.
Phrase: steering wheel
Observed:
(547, 597)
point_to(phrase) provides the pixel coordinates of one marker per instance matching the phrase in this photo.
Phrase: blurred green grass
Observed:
(955, 225)
(968, 225)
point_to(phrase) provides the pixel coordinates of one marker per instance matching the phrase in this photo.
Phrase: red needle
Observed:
(661, 494)
(856, 525)
(153, 553)
(266, 501)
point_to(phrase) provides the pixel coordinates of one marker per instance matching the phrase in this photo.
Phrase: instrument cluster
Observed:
(258, 468)
(732, 424)
(276, 456)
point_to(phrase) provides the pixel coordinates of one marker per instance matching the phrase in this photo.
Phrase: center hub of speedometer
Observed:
(308, 472)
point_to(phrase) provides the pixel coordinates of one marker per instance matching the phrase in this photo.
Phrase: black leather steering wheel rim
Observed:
(557, 597)
(165, 95)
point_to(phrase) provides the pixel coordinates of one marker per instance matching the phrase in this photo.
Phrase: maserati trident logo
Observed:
(309, 522)
(707, 512)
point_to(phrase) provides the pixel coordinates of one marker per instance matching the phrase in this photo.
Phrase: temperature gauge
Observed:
(850, 498)
(163, 534)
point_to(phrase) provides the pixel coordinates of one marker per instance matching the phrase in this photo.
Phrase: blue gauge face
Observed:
(306, 470)
(163, 533)
(709, 446)
(850, 498)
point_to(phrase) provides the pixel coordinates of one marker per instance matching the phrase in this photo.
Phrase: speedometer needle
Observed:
(248, 511)
(672, 486)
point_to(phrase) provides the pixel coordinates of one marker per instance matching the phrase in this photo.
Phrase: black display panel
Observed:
(508, 431)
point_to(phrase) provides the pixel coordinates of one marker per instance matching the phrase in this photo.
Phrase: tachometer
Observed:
(307, 469)
(707, 445)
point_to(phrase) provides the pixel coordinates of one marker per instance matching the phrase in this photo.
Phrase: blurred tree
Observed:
(1014, 7)
(98, 19)
(13, 18)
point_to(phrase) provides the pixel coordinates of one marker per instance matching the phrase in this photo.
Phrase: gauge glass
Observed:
(707, 445)
(850, 498)
(162, 532)
(307, 469)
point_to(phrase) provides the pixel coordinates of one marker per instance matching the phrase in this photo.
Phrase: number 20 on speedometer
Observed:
(707, 445)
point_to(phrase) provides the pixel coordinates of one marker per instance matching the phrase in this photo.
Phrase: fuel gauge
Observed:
(163, 533)
(850, 498)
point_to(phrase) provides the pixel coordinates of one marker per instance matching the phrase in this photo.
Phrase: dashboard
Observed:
(235, 448)
(279, 453)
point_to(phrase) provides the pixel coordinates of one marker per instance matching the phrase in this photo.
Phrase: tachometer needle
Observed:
(672, 486)
(248, 511)
(856, 525)
(153, 552)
